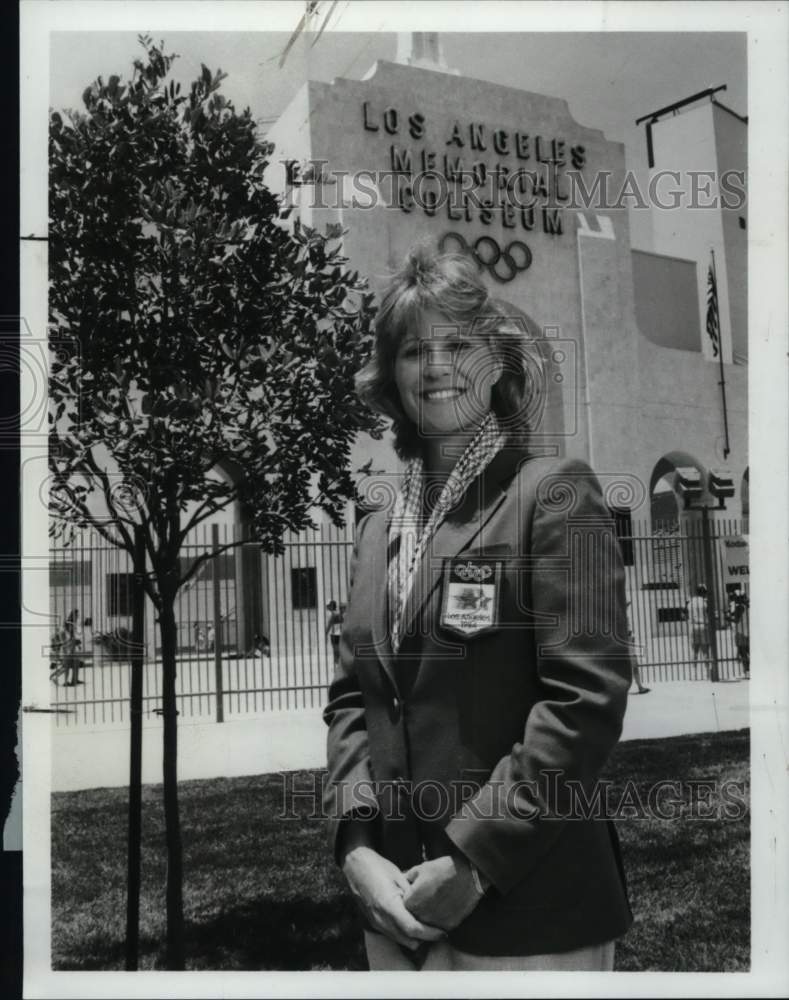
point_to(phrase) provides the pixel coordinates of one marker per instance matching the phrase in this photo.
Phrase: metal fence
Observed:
(252, 628)
(665, 565)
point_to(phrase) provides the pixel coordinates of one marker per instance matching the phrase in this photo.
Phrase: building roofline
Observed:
(664, 256)
(653, 116)
(723, 107)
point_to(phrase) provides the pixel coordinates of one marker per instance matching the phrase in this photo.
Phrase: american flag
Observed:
(713, 319)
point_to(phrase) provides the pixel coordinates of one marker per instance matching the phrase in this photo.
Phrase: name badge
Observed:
(470, 603)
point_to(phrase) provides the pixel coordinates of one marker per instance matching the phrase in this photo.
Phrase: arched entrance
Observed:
(671, 564)
(665, 504)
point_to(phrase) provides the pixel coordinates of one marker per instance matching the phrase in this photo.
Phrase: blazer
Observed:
(491, 743)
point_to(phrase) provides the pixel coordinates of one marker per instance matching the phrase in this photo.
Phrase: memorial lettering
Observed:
(480, 188)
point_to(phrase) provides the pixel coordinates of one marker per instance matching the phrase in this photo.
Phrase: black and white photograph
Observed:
(392, 559)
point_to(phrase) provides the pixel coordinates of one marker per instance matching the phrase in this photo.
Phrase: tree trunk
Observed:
(175, 957)
(134, 861)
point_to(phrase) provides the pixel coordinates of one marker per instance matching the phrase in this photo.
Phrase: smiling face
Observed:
(444, 378)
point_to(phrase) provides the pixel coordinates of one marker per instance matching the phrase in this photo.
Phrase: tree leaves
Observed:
(204, 328)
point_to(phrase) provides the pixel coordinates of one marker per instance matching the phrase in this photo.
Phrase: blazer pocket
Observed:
(472, 586)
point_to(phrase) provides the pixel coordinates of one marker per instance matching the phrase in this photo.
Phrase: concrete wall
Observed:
(666, 300)
(353, 127)
(629, 396)
(701, 143)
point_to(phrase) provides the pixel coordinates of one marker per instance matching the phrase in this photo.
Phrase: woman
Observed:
(480, 688)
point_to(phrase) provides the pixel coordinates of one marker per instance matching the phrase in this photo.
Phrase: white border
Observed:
(769, 448)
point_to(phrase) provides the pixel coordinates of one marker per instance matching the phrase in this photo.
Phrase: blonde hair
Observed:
(450, 284)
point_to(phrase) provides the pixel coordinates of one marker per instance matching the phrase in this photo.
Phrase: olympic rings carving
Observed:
(502, 264)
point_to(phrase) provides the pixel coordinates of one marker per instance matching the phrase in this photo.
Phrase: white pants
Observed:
(386, 955)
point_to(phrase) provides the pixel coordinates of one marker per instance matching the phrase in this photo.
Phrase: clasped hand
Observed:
(380, 888)
(414, 906)
(442, 891)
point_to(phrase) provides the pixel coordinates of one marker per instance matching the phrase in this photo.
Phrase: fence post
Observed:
(220, 696)
(712, 596)
(241, 588)
(135, 754)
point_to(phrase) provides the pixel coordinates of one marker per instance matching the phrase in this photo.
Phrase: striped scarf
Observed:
(409, 535)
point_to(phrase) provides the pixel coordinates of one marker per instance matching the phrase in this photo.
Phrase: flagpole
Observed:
(722, 382)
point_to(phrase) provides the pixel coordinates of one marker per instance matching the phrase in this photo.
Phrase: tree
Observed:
(190, 326)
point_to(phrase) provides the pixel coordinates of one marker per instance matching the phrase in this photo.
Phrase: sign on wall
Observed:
(735, 560)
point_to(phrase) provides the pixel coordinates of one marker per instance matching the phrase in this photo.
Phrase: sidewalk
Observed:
(285, 741)
(676, 708)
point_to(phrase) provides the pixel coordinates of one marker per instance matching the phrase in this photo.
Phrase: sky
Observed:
(609, 79)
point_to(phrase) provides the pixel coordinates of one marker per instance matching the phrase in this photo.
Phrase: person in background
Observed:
(334, 628)
(88, 640)
(70, 649)
(699, 626)
(261, 644)
(641, 689)
(738, 616)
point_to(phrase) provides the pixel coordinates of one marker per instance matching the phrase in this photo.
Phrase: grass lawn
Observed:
(261, 893)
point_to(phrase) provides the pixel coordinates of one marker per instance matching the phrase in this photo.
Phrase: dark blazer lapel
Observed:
(460, 528)
(379, 596)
